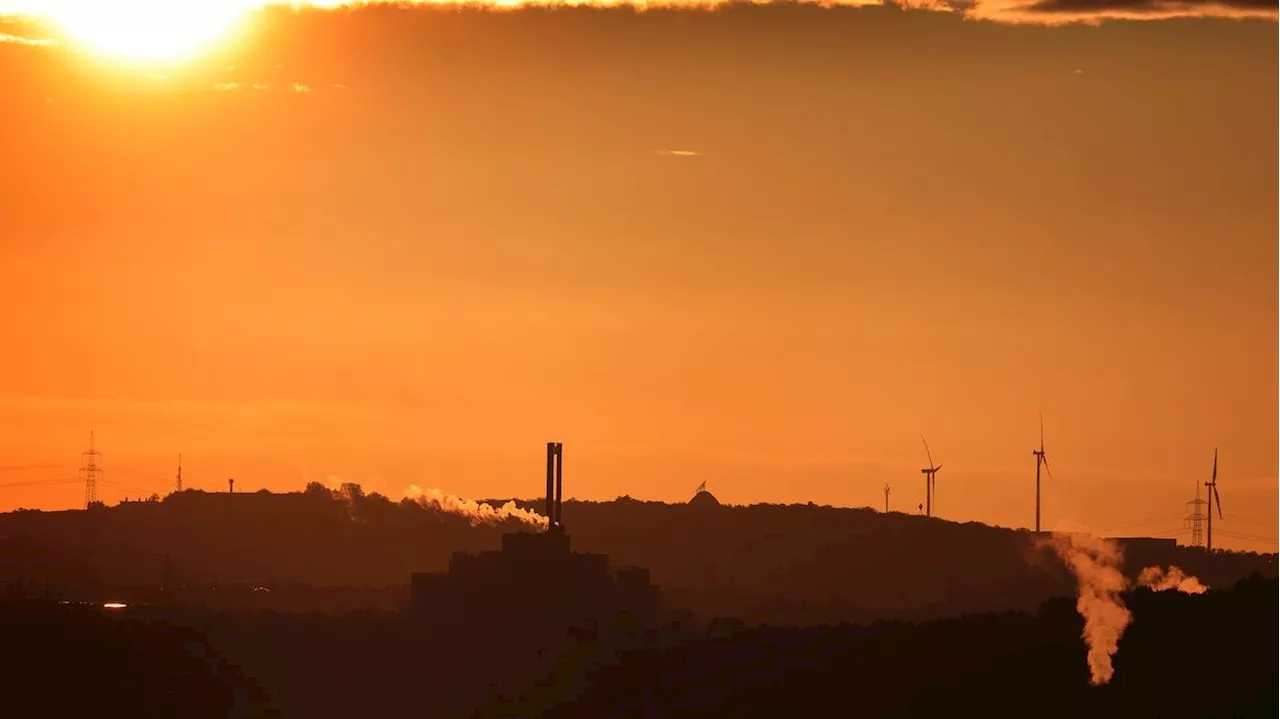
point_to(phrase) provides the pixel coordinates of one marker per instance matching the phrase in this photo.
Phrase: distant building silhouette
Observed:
(1148, 543)
(536, 581)
(703, 498)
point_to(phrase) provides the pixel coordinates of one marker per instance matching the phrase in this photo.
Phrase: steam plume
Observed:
(477, 512)
(1158, 580)
(1096, 566)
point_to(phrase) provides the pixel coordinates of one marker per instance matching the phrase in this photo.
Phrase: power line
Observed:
(138, 474)
(1175, 532)
(127, 487)
(1143, 522)
(1245, 535)
(1246, 520)
(38, 482)
(27, 467)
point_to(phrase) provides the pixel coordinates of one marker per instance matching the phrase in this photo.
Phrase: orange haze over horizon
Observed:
(764, 248)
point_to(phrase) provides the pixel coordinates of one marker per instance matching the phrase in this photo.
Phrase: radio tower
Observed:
(1196, 519)
(886, 499)
(179, 473)
(90, 472)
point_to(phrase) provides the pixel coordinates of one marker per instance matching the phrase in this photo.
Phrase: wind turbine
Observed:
(1213, 499)
(1041, 459)
(928, 473)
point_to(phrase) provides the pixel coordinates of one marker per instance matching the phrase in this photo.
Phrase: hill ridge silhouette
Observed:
(762, 563)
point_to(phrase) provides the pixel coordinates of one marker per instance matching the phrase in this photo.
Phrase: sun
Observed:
(147, 31)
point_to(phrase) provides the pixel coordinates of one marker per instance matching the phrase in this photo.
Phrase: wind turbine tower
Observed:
(1214, 499)
(1041, 460)
(928, 473)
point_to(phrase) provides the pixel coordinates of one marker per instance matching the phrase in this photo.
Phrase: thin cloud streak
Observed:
(1064, 12)
(32, 41)
(1043, 12)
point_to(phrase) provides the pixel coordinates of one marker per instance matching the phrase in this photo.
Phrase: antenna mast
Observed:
(886, 499)
(179, 473)
(90, 472)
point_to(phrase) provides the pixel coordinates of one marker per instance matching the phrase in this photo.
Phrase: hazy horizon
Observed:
(410, 247)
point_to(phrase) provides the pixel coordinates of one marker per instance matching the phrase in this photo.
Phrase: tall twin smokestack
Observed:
(555, 484)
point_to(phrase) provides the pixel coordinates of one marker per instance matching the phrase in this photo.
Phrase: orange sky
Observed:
(463, 239)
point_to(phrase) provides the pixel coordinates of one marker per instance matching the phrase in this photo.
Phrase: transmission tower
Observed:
(90, 472)
(179, 473)
(1196, 519)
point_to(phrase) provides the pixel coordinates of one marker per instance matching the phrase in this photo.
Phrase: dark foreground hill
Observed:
(81, 660)
(1209, 655)
(799, 564)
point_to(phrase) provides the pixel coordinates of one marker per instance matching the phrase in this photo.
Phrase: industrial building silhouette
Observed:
(536, 581)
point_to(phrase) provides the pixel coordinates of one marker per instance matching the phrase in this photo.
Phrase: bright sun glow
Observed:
(147, 30)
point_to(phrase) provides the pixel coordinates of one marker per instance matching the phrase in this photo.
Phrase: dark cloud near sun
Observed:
(1084, 10)
(1049, 12)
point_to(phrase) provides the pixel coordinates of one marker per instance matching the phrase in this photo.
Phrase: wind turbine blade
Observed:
(926, 451)
(1042, 431)
(935, 469)
(1215, 466)
(1218, 499)
(1045, 460)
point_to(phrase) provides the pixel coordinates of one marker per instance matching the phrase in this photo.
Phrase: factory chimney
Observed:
(555, 484)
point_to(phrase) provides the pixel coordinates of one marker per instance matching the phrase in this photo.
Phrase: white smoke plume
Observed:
(1159, 580)
(476, 512)
(1095, 562)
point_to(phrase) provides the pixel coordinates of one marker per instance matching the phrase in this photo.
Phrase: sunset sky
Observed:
(764, 248)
